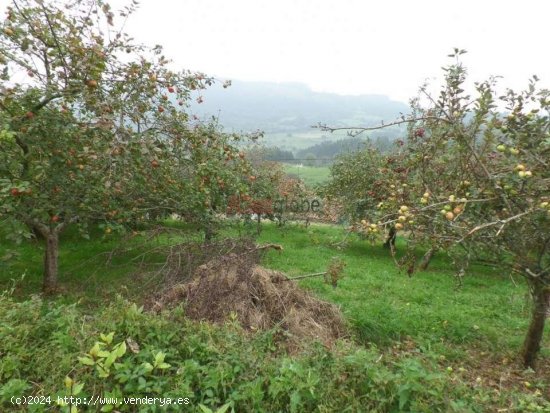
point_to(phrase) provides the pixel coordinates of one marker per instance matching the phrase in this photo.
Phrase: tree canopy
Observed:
(470, 180)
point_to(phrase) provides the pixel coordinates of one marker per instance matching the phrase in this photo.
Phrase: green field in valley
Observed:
(311, 175)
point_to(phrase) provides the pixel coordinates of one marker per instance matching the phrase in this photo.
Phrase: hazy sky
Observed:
(350, 46)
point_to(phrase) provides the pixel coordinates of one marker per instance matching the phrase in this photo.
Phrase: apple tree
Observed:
(478, 177)
(93, 126)
(488, 178)
(261, 182)
(368, 184)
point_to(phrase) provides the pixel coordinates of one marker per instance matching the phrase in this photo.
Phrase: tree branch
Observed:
(490, 224)
(361, 129)
(317, 274)
(45, 101)
(54, 35)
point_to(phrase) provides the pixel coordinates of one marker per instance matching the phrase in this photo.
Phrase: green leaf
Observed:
(102, 371)
(163, 366)
(103, 374)
(295, 400)
(148, 367)
(205, 409)
(224, 408)
(404, 396)
(159, 358)
(107, 338)
(68, 382)
(121, 349)
(110, 359)
(123, 378)
(86, 361)
(94, 351)
(77, 389)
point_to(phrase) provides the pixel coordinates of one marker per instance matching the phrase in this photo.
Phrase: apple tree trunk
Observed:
(390, 240)
(50, 235)
(258, 224)
(540, 292)
(51, 254)
(427, 258)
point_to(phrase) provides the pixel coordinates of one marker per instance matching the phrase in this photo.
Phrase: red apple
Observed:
(419, 133)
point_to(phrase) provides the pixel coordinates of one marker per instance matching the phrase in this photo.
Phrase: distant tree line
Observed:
(323, 153)
(277, 154)
(329, 150)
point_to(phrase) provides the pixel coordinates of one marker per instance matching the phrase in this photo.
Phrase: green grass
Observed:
(424, 323)
(311, 175)
(488, 311)
(209, 365)
(90, 271)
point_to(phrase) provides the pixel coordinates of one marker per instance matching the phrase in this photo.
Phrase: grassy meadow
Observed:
(419, 343)
(311, 175)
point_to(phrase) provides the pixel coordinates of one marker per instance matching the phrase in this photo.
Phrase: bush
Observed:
(54, 349)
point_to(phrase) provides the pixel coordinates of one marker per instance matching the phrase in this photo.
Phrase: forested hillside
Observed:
(291, 107)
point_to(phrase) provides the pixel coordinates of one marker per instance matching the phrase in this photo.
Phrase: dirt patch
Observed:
(261, 299)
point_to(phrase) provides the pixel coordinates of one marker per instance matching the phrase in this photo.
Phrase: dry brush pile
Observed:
(233, 285)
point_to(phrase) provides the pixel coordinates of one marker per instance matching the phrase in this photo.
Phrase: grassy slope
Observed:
(477, 326)
(90, 271)
(488, 311)
(311, 175)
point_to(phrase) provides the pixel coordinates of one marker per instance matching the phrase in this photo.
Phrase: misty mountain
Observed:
(291, 107)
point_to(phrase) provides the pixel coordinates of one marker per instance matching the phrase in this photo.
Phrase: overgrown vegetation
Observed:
(440, 349)
(168, 356)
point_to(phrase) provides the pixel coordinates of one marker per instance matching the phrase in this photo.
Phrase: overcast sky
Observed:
(350, 46)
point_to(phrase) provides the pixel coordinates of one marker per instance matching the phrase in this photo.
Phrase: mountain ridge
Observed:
(291, 107)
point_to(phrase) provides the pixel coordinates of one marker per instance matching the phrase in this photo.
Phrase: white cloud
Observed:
(349, 46)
